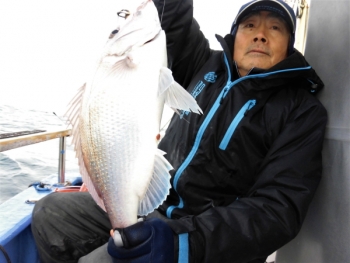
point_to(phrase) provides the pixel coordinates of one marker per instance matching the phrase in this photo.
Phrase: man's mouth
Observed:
(260, 51)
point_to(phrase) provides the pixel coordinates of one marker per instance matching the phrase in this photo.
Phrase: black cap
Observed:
(277, 6)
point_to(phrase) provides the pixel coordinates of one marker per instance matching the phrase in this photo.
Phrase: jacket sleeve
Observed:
(272, 212)
(187, 48)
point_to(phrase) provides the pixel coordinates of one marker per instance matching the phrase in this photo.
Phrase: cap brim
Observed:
(272, 6)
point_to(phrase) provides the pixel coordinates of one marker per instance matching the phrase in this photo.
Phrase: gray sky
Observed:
(48, 47)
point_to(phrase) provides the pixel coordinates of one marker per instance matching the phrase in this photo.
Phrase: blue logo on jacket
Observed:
(198, 89)
(210, 77)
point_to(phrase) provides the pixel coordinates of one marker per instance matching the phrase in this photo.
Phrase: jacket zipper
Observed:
(206, 121)
(231, 129)
(196, 145)
(223, 94)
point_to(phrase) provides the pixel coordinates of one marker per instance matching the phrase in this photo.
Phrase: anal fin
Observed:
(159, 185)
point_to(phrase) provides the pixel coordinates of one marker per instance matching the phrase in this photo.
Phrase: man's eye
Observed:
(249, 25)
(275, 28)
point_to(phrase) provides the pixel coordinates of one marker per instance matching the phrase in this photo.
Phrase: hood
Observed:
(294, 68)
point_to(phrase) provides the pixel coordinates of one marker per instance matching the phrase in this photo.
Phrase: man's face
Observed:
(261, 41)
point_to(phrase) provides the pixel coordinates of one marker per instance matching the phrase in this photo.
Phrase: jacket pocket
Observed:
(231, 129)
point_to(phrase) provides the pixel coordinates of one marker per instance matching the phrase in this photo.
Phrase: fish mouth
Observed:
(127, 34)
(149, 41)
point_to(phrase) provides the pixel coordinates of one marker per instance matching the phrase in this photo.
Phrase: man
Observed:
(244, 172)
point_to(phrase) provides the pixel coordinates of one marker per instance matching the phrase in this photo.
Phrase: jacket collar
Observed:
(287, 68)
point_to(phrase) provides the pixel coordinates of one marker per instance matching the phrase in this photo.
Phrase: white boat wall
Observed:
(325, 235)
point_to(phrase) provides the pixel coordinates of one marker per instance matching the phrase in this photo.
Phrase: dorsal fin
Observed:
(72, 115)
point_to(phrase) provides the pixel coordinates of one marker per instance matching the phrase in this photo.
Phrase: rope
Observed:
(39, 186)
(161, 17)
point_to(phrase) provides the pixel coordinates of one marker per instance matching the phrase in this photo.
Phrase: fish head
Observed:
(140, 27)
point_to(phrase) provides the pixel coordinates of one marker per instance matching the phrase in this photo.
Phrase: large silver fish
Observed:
(116, 117)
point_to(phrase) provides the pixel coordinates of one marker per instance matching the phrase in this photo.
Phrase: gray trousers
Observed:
(71, 227)
(68, 226)
(99, 255)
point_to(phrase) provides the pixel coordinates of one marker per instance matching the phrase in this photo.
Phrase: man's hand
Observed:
(147, 241)
(117, 237)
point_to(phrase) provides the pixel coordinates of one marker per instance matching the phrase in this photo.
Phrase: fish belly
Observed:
(119, 126)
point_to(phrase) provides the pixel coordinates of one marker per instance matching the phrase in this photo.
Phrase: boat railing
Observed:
(14, 140)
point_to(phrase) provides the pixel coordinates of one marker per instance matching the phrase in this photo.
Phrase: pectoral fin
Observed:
(174, 94)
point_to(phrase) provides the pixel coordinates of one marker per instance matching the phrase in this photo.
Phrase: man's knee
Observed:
(39, 208)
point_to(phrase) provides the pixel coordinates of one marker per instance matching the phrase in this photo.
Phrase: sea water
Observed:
(22, 166)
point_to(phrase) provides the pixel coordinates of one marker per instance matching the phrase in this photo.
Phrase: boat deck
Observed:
(15, 220)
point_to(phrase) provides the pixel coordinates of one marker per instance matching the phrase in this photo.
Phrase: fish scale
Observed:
(117, 146)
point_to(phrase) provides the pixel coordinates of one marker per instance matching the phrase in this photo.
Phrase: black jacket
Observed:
(246, 170)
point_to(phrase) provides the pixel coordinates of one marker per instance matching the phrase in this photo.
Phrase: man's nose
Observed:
(260, 35)
(262, 39)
